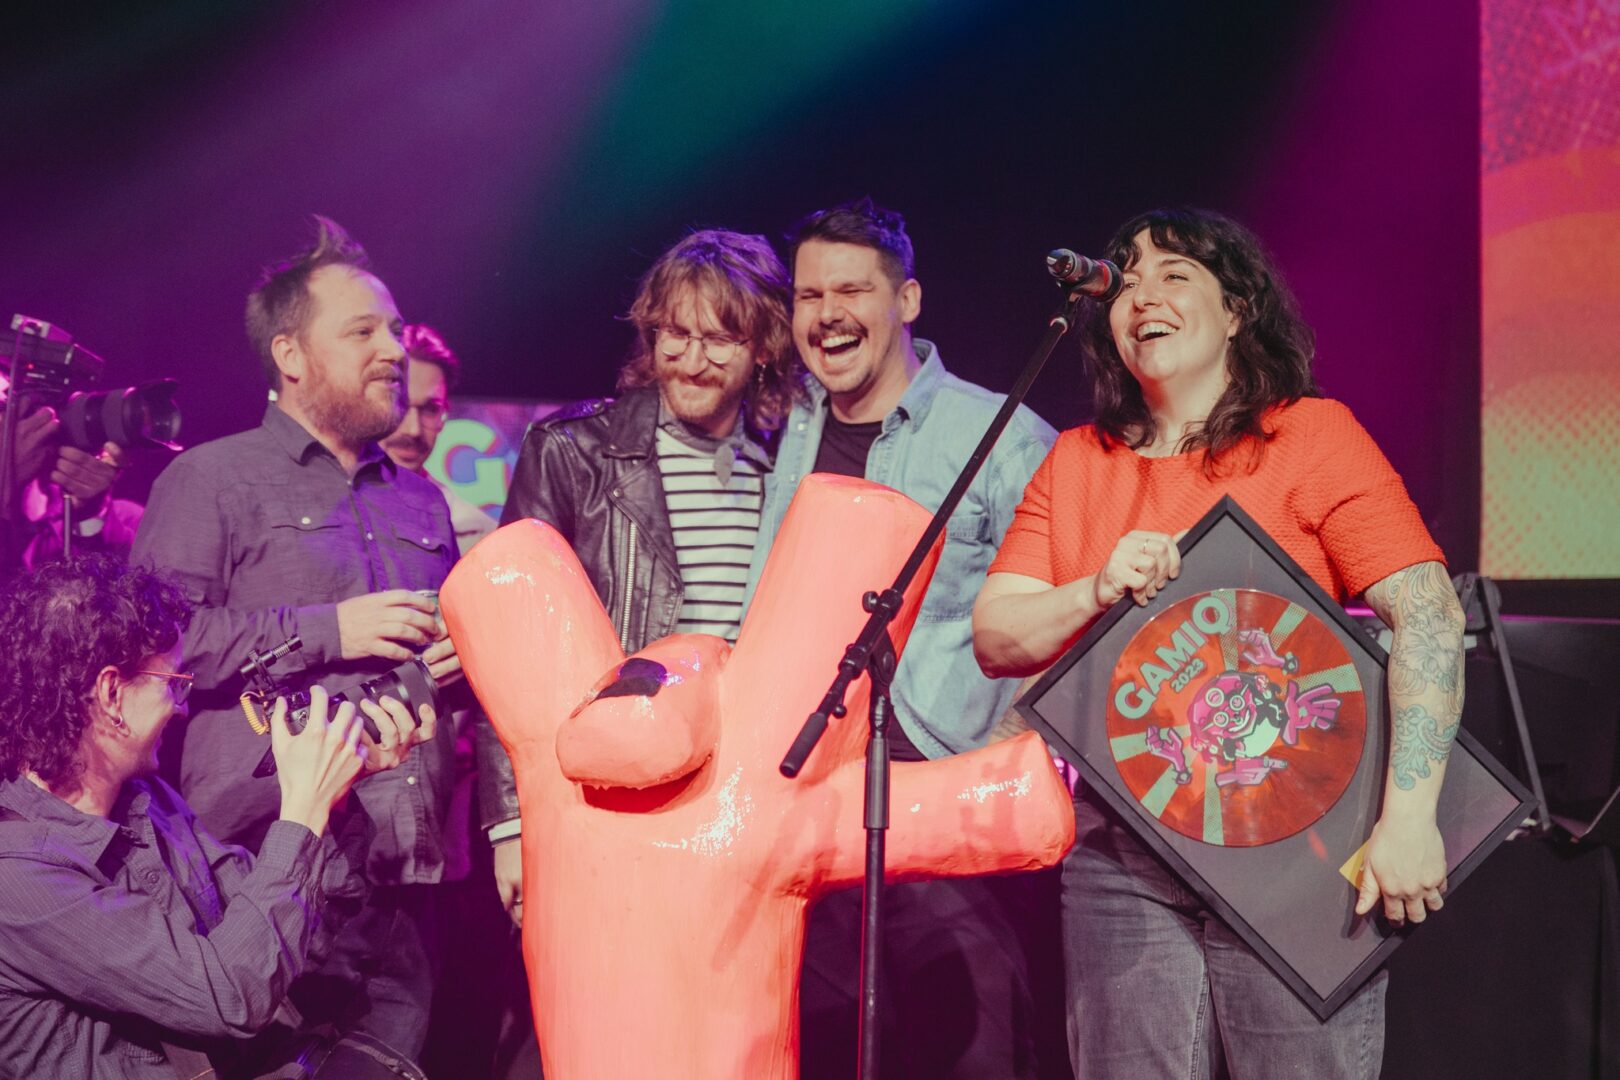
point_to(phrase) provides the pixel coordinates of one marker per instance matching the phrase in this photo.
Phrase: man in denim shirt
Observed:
(882, 406)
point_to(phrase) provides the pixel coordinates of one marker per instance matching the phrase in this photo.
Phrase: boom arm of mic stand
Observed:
(857, 657)
(886, 605)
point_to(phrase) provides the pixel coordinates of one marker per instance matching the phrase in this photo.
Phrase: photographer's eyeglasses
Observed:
(717, 348)
(179, 683)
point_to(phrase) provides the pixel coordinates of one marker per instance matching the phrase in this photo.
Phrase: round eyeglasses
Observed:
(717, 348)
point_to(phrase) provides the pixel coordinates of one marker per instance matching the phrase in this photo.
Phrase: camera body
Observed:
(46, 367)
(410, 683)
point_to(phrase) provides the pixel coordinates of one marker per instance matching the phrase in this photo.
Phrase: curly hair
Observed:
(1268, 361)
(59, 626)
(863, 223)
(742, 277)
(280, 302)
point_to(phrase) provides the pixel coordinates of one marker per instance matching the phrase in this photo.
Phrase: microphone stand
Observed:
(872, 652)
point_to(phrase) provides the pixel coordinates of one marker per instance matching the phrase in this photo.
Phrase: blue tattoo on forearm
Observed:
(1419, 740)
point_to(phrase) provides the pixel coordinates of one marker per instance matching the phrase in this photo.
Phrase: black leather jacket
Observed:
(591, 472)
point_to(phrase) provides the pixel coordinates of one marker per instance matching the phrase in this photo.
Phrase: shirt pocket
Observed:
(420, 553)
(306, 553)
(962, 566)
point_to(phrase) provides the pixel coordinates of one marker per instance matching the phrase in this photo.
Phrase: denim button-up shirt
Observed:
(943, 701)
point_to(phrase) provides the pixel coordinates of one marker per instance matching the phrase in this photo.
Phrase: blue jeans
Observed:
(1158, 986)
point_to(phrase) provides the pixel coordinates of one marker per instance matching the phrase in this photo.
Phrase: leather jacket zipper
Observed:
(628, 587)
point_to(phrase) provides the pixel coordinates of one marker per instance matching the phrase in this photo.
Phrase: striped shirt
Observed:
(713, 498)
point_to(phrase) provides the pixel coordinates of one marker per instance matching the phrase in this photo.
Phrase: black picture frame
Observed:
(1288, 899)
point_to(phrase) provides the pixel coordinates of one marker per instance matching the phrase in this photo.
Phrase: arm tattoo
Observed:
(1425, 668)
(1419, 604)
(1419, 739)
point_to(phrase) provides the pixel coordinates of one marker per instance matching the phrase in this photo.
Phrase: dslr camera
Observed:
(46, 367)
(409, 683)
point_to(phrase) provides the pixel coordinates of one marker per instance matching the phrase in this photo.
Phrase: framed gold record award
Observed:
(1239, 723)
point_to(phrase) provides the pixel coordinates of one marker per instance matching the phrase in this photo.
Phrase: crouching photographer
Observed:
(134, 941)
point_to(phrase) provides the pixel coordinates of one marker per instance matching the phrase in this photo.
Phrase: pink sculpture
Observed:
(667, 864)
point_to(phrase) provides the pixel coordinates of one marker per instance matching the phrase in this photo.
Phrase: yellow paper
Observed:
(1352, 867)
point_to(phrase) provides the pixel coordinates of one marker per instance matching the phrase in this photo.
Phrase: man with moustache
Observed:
(659, 491)
(304, 526)
(882, 406)
(432, 370)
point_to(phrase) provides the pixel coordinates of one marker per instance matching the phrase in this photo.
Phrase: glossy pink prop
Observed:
(667, 864)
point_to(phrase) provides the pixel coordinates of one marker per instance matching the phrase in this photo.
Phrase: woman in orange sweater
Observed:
(1202, 385)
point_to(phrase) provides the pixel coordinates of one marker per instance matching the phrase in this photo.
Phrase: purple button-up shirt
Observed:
(266, 532)
(122, 932)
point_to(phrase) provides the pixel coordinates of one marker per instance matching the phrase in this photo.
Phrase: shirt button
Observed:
(427, 541)
(303, 521)
(150, 877)
(411, 780)
(369, 536)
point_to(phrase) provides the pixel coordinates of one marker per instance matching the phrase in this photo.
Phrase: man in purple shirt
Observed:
(304, 526)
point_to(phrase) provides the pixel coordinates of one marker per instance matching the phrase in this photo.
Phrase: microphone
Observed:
(1097, 278)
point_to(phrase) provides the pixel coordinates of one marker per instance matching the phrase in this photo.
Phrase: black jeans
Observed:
(970, 985)
(364, 1006)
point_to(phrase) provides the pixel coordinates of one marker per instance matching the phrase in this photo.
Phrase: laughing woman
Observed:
(1202, 384)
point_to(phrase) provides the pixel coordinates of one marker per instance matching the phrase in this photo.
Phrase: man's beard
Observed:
(699, 400)
(355, 418)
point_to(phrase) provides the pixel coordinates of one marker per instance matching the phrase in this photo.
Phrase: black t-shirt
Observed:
(843, 452)
(844, 446)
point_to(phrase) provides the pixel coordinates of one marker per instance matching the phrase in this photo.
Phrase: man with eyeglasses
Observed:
(431, 372)
(659, 491)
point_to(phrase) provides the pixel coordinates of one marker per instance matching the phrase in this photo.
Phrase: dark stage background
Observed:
(513, 165)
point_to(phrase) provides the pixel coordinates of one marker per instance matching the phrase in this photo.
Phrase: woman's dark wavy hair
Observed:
(1270, 357)
(748, 286)
(59, 626)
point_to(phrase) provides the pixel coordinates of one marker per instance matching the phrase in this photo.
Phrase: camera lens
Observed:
(144, 415)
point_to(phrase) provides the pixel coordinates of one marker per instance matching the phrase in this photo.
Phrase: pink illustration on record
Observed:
(1236, 717)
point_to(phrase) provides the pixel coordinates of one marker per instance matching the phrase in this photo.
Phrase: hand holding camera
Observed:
(85, 476)
(318, 764)
(386, 702)
(397, 731)
(36, 444)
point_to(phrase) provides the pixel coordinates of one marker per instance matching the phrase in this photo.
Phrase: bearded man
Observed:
(303, 525)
